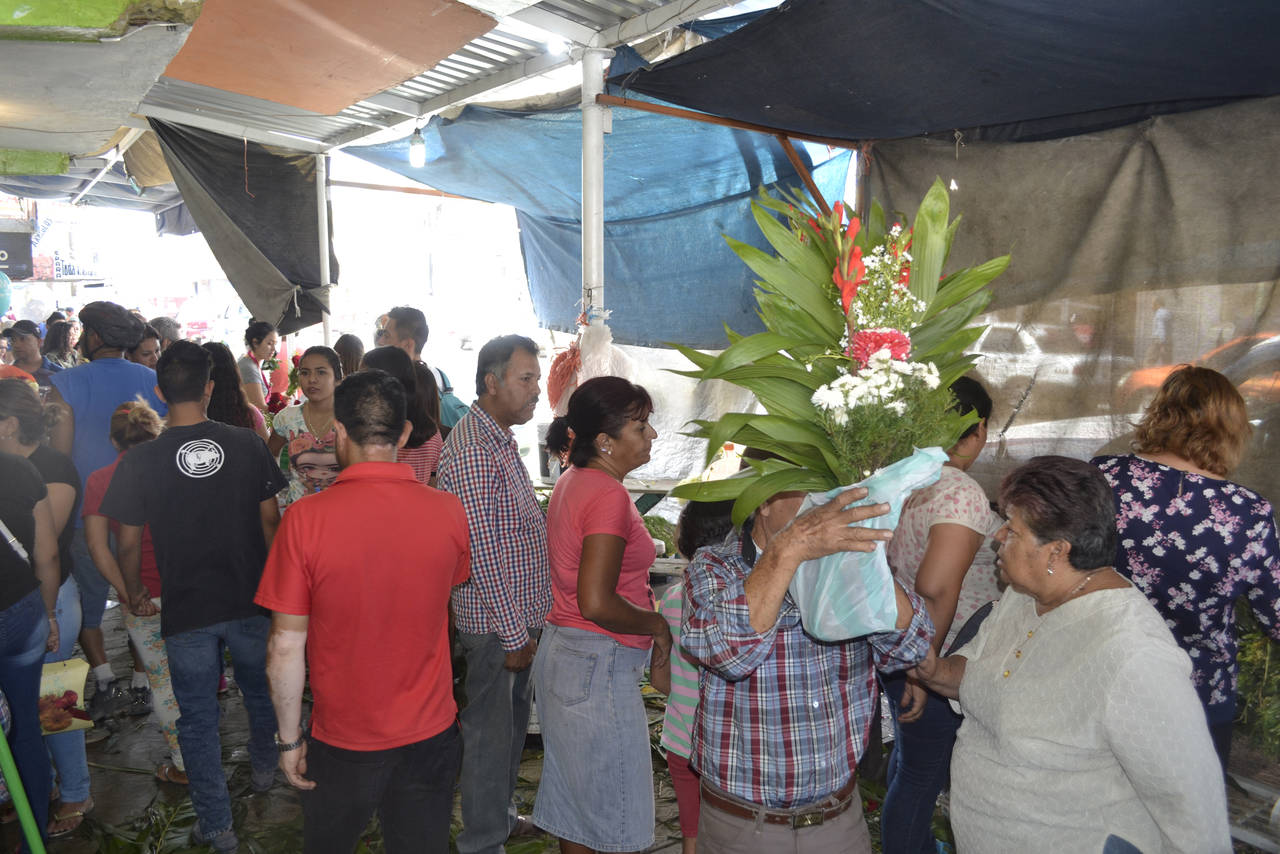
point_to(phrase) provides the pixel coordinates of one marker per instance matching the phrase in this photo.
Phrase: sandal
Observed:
(74, 817)
(167, 772)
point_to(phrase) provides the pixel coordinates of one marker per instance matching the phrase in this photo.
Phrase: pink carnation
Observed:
(867, 342)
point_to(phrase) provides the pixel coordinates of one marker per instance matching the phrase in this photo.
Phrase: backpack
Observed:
(451, 408)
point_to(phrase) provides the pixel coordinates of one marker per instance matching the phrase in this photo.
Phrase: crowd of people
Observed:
(1063, 660)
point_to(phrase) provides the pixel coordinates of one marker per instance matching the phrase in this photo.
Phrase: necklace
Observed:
(1031, 632)
(312, 430)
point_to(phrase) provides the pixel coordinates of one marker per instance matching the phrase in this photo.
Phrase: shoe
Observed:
(139, 702)
(64, 821)
(109, 701)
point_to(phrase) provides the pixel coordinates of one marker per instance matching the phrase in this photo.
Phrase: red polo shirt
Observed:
(371, 561)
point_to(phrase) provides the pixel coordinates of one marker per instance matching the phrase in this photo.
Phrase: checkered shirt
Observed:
(509, 591)
(782, 719)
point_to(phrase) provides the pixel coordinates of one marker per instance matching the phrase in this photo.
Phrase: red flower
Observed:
(297, 357)
(867, 342)
(850, 272)
(838, 210)
(276, 402)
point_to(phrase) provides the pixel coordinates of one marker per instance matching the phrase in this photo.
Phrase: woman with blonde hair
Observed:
(133, 423)
(1190, 539)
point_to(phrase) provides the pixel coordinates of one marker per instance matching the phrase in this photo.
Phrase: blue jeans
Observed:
(195, 665)
(66, 749)
(494, 722)
(919, 768)
(409, 787)
(23, 633)
(93, 587)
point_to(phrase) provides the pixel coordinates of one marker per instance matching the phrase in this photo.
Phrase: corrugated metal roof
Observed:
(507, 54)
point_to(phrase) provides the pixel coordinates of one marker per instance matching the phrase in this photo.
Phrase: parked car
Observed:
(1042, 369)
(1137, 389)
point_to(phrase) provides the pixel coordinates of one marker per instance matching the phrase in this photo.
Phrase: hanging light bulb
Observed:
(417, 149)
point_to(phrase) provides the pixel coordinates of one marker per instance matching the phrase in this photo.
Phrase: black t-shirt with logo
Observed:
(199, 488)
(20, 490)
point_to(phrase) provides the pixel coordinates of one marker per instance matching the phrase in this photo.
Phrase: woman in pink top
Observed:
(596, 791)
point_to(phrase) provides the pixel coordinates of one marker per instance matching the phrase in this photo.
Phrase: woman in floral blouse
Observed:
(1190, 539)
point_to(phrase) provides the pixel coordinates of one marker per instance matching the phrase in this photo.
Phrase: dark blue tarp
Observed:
(672, 187)
(1024, 69)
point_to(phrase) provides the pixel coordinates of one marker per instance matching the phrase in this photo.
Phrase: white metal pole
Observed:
(322, 219)
(595, 124)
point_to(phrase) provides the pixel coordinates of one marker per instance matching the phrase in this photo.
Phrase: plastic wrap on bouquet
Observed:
(850, 594)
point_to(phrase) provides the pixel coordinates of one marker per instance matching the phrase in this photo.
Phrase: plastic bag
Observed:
(851, 594)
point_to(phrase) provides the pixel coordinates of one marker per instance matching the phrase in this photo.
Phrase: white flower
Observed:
(906, 256)
(898, 407)
(896, 231)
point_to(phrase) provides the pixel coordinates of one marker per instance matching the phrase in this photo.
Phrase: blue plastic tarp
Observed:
(672, 188)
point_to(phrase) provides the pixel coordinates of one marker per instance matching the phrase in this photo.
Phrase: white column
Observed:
(595, 124)
(322, 220)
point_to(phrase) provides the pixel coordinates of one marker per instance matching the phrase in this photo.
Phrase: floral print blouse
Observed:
(1194, 544)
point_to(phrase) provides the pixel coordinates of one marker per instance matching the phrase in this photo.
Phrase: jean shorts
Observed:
(597, 771)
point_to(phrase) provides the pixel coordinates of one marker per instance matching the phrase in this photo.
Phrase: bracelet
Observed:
(285, 747)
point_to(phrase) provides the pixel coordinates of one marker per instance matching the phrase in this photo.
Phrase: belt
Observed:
(795, 818)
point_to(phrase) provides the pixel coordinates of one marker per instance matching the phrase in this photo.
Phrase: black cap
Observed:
(22, 327)
(114, 325)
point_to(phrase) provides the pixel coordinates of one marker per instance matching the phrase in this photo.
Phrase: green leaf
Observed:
(784, 317)
(711, 490)
(796, 374)
(929, 244)
(761, 489)
(780, 277)
(806, 259)
(874, 225)
(744, 351)
(965, 282)
(702, 360)
(782, 397)
(928, 336)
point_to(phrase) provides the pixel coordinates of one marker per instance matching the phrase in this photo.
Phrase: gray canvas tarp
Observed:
(1133, 250)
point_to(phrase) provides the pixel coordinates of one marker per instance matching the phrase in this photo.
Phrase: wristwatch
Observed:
(285, 747)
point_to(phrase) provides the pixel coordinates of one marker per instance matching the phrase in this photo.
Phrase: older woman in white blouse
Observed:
(1082, 730)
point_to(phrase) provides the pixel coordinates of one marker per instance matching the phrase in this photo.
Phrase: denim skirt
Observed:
(597, 771)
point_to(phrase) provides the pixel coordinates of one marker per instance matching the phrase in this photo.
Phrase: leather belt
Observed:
(811, 816)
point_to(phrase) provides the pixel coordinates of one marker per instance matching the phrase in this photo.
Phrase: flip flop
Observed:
(167, 772)
(75, 816)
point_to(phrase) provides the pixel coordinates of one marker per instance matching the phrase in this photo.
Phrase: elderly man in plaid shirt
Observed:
(499, 612)
(783, 719)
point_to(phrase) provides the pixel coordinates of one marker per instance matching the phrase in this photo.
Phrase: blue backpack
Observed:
(451, 408)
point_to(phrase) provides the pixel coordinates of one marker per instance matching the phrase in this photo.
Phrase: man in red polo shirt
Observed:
(358, 579)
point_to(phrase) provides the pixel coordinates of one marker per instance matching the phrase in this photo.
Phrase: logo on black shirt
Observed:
(200, 458)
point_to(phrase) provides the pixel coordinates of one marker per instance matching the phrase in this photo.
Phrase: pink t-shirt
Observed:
(957, 499)
(588, 501)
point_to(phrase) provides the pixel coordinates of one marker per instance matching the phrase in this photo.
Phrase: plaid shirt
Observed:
(782, 719)
(509, 591)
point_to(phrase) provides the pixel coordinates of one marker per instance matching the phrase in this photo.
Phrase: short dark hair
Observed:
(19, 400)
(183, 372)
(256, 331)
(703, 523)
(410, 321)
(1065, 499)
(971, 397)
(495, 355)
(399, 365)
(148, 331)
(370, 405)
(603, 405)
(330, 355)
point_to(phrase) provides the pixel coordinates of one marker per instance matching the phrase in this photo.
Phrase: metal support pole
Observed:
(322, 219)
(595, 124)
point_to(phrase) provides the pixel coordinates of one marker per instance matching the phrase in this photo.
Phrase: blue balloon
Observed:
(6, 293)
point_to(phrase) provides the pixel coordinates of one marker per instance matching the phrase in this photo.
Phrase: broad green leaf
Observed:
(744, 351)
(780, 277)
(951, 236)
(929, 246)
(711, 490)
(802, 455)
(807, 260)
(784, 317)
(927, 337)
(965, 282)
(782, 397)
(761, 489)
(702, 360)
(753, 372)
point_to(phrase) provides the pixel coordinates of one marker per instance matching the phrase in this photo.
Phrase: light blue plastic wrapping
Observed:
(850, 594)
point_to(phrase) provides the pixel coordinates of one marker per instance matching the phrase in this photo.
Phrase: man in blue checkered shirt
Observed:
(782, 718)
(499, 612)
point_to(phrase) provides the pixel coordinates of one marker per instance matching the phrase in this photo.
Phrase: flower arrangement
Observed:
(864, 337)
